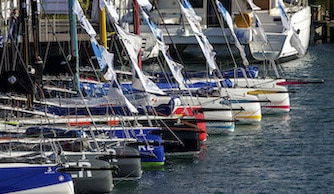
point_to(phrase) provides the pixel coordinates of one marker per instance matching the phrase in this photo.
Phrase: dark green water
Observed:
(292, 153)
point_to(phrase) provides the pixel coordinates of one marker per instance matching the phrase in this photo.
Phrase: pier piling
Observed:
(323, 23)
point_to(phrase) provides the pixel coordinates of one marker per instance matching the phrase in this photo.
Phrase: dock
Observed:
(323, 23)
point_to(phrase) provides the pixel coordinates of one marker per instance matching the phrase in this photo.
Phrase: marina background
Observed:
(284, 153)
(291, 153)
(323, 20)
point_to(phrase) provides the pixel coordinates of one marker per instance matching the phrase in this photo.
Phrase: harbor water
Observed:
(290, 153)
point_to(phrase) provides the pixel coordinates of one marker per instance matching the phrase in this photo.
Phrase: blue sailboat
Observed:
(34, 178)
(104, 105)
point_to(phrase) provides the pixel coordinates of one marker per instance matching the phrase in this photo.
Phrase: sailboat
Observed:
(215, 113)
(179, 34)
(83, 167)
(24, 110)
(273, 98)
(246, 108)
(269, 47)
(272, 89)
(32, 173)
(186, 137)
(101, 107)
(286, 24)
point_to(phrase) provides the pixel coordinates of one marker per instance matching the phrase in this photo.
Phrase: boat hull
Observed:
(179, 135)
(128, 162)
(279, 41)
(30, 178)
(151, 148)
(90, 181)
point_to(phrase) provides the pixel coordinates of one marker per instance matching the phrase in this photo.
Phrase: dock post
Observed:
(331, 17)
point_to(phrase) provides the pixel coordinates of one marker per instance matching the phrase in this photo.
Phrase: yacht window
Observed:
(291, 2)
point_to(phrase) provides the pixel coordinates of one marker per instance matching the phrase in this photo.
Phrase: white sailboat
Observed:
(286, 25)
(238, 98)
(102, 181)
(167, 15)
(215, 113)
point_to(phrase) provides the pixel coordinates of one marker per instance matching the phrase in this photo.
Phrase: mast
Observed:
(35, 28)
(74, 43)
(38, 63)
(136, 24)
(25, 35)
(25, 45)
(103, 26)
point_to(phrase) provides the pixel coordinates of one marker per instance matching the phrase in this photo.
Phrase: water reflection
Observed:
(287, 153)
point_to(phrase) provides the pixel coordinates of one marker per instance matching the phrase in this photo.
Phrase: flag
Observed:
(85, 24)
(104, 58)
(156, 31)
(110, 9)
(194, 22)
(143, 82)
(193, 19)
(110, 74)
(253, 6)
(116, 96)
(131, 41)
(175, 68)
(294, 40)
(207, 50)
(259, 29)
(146, 4)
(284, 17)
(297, 44)
(227, 17)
